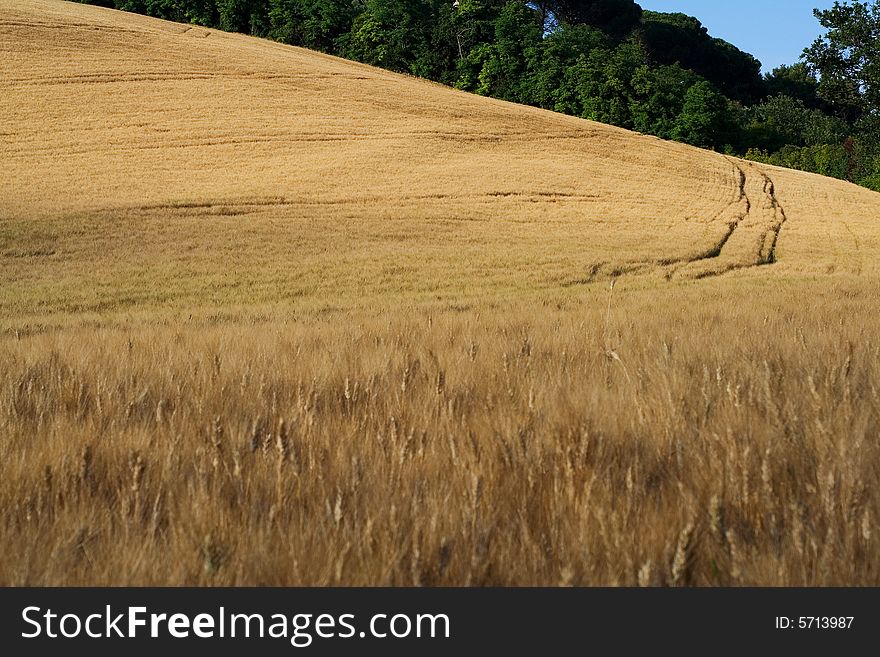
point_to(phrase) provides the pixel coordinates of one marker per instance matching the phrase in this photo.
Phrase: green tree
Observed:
(614, 17)
(704, 117)
(558, 53)
(867, 137)
(499, 69)
(390, 33)
(246, 16)
(847, 58)
(200, 12)
(796, 81)
(457, 32)
(659, 98)
(680, 39)
(601, 84)
(174, 10)
(317, 24)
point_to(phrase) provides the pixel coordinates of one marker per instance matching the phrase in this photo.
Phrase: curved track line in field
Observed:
(741, 200)
(754, 219)
(772, 236)
(753, 235)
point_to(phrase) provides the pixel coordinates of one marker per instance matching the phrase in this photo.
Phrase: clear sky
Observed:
(774, 31)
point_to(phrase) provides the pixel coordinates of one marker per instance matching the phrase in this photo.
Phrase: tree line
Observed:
(606, 60)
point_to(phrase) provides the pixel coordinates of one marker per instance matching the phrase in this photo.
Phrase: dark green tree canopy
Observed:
(614, 17)
(681, 39)
(796, 81)
(314, 24)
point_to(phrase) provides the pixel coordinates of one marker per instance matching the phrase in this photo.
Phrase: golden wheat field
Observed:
(271, 317)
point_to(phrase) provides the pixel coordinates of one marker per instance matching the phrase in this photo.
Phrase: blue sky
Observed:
(774, 31)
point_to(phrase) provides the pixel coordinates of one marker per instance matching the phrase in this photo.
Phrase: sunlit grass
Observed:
(268, 317)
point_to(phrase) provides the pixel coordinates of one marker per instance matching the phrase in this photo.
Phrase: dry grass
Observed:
(273, 318)
(452, 449)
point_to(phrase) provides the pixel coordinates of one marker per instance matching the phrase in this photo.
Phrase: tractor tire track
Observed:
(754, 220)
(771, 238)
(753, 237)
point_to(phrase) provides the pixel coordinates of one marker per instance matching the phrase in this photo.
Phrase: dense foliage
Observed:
(605, 60)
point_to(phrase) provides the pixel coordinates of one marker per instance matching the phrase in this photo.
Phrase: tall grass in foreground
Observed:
(718, 445)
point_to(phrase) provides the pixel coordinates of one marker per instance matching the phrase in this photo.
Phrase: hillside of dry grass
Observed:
(271, 317)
